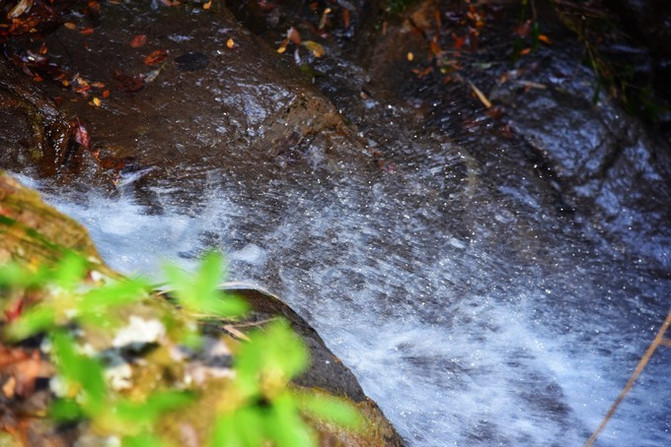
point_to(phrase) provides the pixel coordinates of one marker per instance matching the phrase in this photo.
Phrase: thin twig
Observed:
(659, 339)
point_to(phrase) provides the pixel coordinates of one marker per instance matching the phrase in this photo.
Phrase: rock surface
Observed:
(33, 233)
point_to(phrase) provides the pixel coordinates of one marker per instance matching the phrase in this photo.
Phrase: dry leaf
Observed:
(82, 135)
(283, 46)
(22, 7)
(156, 57)
(316, 48)
(138, 41)
(230, 43)
(481, 96)
(293, 35)
(322, 21)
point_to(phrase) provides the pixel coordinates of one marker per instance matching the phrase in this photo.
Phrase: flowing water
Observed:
(470, 314)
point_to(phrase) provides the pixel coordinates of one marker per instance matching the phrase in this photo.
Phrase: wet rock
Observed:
(192, 62)
(34, 233)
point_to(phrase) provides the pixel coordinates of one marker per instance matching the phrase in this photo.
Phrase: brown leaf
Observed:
(346, 17)
(316, 48)
(292, 35)
(481, 96)
(82, 135)
(22, 7)
(127, 83)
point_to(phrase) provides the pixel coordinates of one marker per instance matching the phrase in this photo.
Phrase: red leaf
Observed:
(82, 136)
(138, 41)
(127, 83)
(458, 41)
(14, 312)
(156, 57)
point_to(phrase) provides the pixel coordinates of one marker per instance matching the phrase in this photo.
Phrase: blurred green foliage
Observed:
(260, 405)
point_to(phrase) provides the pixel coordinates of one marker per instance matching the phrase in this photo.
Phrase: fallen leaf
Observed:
(523, 29)
(545, 39)
(230, 43)
(481, 96)
(322, 21)
(138, 41)
(156, 57)
(22, 7)
(424, 72)
(9, 388)
(151, 76)
(283, 46)
(96, 101)
(24, 367)
(70, 25)
(82, 135)
(86, 31)
(293, 35)
(106, 94)
(207, 5)
(346, 17)
(127, 83)
(410, 56)
(458, 41)
(316, 48)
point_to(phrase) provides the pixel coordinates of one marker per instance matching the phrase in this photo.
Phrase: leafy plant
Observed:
(257, 406)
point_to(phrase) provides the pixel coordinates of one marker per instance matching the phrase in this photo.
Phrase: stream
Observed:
(507, 328)
(484, 289)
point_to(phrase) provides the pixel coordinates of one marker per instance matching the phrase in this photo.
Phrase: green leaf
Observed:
(14, 275)
(80, 369)
(200, 292)
(242, 428)
(285, 426)
(147, 412)
(94, 306)
(143, 440)
(66, 410)
(275, 354)
(70, 271)
(330, 408)
(32, 321)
